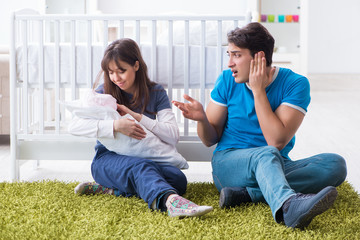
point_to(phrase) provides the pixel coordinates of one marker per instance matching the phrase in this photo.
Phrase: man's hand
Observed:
(258, 77)
(192, 110)
(210, 124)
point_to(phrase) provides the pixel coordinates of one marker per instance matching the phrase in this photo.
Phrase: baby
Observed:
(103, 107)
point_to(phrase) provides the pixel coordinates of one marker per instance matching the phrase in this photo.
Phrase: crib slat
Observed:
(219, 60)
(106, 33)
(170, 60)
(137, 31)
(89, 61)
(41, 78)
(73, 61)
(186, 71)
(25, 106)
(202, 62)
(236, 23)
(57, 77)
(14, 114)
(153, 50)
(121, 29)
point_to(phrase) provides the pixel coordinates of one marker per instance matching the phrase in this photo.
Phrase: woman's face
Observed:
(123, 77)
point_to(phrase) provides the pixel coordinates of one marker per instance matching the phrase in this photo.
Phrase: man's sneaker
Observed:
(90, 188)
(300, 209)
(233, 196)
(178, 206)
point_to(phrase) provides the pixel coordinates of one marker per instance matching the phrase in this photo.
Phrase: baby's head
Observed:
(95, 99)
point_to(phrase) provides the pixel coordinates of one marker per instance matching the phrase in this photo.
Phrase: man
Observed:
(254, 113)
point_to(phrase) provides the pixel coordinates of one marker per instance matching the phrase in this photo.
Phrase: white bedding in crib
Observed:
(82, 56)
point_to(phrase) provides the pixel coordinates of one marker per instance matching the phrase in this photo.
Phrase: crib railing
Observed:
(32, 98)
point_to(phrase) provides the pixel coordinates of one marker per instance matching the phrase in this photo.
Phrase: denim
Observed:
(271, 178)
(132, 176)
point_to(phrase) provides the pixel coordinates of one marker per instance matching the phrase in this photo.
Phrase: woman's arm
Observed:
(165, 127)
(87, 127)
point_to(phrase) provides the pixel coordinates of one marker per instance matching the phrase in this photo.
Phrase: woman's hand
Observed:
(130, 128)
(122, 109)
(192, 110)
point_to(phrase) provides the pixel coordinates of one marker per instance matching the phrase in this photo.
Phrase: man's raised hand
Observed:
(192, 110)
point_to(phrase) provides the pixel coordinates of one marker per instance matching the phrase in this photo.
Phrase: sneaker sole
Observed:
(79, 189)
(319, 207)
(205, 210)
(222, 199)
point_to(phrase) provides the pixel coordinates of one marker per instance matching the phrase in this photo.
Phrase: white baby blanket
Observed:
(102, 107)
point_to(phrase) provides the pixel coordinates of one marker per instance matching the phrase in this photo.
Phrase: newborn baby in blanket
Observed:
(103, 107)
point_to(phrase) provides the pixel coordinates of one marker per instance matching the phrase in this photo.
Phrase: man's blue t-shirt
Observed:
(242, 129)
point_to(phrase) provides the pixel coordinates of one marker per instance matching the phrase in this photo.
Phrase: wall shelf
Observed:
(287, 34)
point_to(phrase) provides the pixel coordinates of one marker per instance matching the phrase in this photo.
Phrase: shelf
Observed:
(285, 31)
(281, 23)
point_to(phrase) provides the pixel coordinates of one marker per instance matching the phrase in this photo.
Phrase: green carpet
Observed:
(51, 210)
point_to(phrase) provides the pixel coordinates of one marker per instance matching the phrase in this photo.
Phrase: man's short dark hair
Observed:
(254, 37)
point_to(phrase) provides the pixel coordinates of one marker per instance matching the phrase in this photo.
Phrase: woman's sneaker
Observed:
(90, 188)
(178, 206)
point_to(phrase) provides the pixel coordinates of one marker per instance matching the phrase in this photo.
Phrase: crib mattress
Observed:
(85, 75)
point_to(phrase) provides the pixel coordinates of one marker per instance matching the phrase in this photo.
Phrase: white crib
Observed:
(55, 57)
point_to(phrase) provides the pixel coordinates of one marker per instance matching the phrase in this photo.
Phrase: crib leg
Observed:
(36, 164)
(14, 163)
(15, 171)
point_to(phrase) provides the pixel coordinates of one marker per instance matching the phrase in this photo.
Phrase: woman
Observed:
(161, 186)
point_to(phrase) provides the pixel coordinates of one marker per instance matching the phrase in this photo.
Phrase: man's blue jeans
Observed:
(271, 178)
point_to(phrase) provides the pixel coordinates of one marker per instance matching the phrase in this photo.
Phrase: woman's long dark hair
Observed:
(128, 51)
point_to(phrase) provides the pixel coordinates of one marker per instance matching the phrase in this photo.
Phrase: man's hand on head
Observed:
(260, 75)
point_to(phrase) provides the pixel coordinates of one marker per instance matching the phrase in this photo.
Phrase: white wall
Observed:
(333, 36)
(6, 9)
(65, 6)
(153, 7)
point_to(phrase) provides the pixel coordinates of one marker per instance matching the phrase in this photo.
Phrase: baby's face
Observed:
(97, 99)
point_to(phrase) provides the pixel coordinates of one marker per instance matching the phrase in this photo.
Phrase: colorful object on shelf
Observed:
(271, 18)
(263, 17)
(288, 18)
(295, 18)
(281, 18)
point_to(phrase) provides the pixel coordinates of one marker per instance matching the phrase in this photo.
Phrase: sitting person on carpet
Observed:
(94, 105)
(254, 113)
(161, 186)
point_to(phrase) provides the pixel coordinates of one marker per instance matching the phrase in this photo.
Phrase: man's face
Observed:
(239, 62)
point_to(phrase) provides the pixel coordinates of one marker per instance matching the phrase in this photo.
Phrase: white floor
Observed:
(332, 124)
